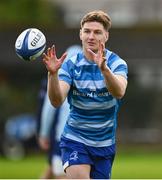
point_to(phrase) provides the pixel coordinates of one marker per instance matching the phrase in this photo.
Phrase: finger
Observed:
(101, 47)
(48, 52)
(91, 52)
(103, 52)
(63, 57)
(45, 62)
(53, 50)
(45, 57)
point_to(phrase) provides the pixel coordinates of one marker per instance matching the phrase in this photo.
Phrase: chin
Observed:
(93, 49)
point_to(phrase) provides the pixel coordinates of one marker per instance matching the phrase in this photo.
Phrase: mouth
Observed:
(91, 44)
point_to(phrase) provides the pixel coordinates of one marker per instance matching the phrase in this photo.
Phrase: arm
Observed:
(116, 84)
(57, 90)
(46, 120)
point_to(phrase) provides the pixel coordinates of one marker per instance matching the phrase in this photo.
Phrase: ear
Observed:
(106, 36)
(80, 34)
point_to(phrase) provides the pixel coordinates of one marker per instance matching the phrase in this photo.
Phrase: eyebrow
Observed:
(93, 29)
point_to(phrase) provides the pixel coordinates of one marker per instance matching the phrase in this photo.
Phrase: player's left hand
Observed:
(44, 143)
(99, 57)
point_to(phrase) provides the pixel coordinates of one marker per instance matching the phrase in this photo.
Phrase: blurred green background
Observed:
(136, 35)
(130, 164)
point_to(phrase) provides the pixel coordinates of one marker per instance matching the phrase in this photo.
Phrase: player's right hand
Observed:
(51, 61)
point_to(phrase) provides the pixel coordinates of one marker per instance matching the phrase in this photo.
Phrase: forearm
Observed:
(116, 84)
(54, 90)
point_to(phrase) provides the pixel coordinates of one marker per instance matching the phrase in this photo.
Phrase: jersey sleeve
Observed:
(118, 65)
(47, 117)
(66, 71)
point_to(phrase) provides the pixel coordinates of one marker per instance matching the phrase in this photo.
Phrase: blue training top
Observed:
(93, 110)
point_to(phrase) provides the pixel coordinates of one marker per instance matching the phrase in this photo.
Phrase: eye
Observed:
(86, 31)
(98, 32)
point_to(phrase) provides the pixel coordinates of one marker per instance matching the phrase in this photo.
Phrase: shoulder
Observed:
(114, 58)
(116, 64)
(75, 58)
(66, 72)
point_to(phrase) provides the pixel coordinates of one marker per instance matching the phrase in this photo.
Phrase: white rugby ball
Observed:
(30, 44)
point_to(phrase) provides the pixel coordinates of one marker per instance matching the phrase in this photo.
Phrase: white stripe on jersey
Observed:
(88, 142)
(94, 105)
(74, 59)
(115, 64)
(93, 85)
(91, 124)
(61, 71)
(121, 73)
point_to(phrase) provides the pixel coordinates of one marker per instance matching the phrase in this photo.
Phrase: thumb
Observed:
(63, 57)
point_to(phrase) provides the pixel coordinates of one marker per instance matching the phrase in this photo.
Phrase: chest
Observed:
(88, 77)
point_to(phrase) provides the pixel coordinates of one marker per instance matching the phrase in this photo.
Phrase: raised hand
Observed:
(99, 57)
(51, 61)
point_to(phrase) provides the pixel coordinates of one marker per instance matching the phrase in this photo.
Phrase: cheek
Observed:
(80, 38)
(104, 39)
(83, 38)
(80, 35)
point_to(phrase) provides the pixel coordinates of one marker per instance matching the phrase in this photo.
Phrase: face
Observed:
(90, 35)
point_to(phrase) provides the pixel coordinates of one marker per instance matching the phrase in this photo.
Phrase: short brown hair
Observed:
(98, 16)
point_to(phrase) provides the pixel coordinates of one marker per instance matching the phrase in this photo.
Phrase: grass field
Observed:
(129, 164)
(29, 168)
(138, 164)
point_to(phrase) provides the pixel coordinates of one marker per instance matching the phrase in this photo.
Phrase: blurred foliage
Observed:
(28, 12)
(19, 92)
(19, 98)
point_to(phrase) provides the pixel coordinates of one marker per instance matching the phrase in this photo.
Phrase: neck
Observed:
(87, 55)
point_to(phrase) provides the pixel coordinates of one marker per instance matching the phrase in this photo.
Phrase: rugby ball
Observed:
(30, 44)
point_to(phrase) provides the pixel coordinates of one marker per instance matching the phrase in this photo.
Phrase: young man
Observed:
(94, 82)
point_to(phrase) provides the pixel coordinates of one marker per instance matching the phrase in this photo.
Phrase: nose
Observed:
(91, 35)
